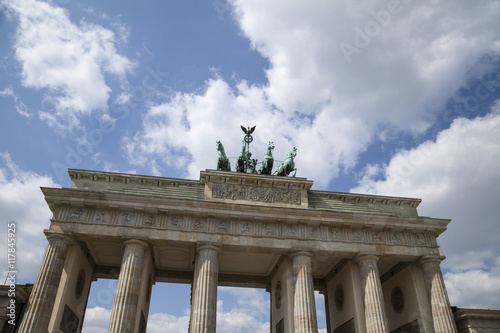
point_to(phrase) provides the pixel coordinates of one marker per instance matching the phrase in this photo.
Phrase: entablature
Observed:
(74, 198)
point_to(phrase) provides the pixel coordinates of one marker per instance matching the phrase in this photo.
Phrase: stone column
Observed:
(442, 317)
(204, 290)
(124, 309)
(43, 295)
(304, 306)
(373, 298)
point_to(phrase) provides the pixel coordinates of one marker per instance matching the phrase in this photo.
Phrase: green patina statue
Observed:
(242, 158)
(245, 163)
(288, 166)
(252, 163)
(267, 163)
(222, 161)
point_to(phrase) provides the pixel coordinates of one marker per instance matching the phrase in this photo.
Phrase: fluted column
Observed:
(304, 306)
(124, 309)
(204, 291)
(43, 295)
(442, 317)
(373, 298)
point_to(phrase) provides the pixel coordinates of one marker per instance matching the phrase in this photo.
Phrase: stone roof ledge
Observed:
(83, 179)
(257, 180)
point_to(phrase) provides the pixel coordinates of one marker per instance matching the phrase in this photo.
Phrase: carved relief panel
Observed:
(76, 214)
(150, 220)
(101, 216)
(127, 218)
(257, 194)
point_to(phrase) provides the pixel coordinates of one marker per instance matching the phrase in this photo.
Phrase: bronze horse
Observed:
(267, 163)
(288, 166)
(222, 161)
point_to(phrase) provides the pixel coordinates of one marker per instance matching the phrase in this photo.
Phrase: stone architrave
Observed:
(375, 315)
(304, 316)
(124, 310)
(442, 317)
(43, 295)
(204, 291)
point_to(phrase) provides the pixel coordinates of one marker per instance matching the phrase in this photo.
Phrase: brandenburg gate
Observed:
(375, 260)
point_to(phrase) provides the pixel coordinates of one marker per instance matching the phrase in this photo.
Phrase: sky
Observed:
(397, 98)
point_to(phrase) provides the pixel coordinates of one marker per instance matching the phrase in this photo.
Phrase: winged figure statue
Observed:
(248, 130)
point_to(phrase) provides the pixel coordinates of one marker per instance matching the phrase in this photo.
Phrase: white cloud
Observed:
(242, 319)
(415, 62)
(163, 322)
(69, 61)
(249, 298)
(240, 322)
(331, 110)
(457, 177)
(96, 320)
(475, 288)
(21, 108)
(22, 202)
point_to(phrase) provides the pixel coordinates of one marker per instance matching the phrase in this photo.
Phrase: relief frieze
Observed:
(268, 229)
(336, 233)
(199, 224)
(313, 232)
(127, 218)
(378, 236)
(398, 238)
(222, 226)
(358, 234)
(76, 214)
(291, 230)
(150, 220)
(246, 228)
(264, 228)
(101, 216)
(258, 194)
(175, 221)
(419, 238)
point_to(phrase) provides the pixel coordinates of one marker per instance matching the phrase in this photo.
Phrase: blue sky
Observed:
(387, 97)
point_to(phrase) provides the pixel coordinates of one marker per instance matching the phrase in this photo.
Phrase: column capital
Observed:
(431, 259)
(64, 237)
(136, 241)
(362, 256)
(300, 253)
(208, 247)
